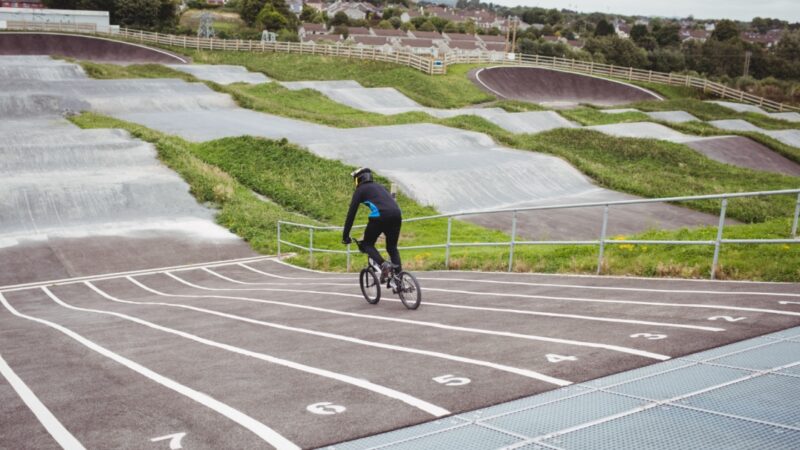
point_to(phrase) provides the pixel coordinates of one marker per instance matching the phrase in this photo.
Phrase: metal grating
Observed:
(637, 373)
(565, 413)
(728, 349)
(670, 427)
(794, 371)
(399, 435)
(771, 398)
(778, 354)
(679, 382)
(524, 403)
(791, 333)
(470, 437)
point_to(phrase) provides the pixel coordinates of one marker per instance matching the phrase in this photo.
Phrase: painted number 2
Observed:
(553, 358)
(727, 318)
(450, 380)
(650, 336)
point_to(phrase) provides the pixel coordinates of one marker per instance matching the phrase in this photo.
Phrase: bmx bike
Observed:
(402, 283)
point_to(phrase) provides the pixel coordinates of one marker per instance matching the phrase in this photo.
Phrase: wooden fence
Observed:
(424, 63)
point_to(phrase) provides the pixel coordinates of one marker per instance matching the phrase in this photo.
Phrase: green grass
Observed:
(112, 71)
(712, 111)
(591, 116)
(453, 90)
(306, 188)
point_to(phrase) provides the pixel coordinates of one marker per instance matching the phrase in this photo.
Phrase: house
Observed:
(433, 35)
(383, 44)
(489, 38)
(312, 29)
(419, 46)
(216, 2)
(461, 37)
(28, 4)
(317, 6)
(389, 33)
(622, 29)
(295, 6)
(768, 39)
(358, 31)
(693, 35)
(465, 47)
(322, 38)
(496, 46)
(353, 10)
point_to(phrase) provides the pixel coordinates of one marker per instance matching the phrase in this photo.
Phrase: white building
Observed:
(95, 20)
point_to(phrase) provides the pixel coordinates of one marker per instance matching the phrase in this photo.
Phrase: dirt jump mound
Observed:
(83, 47)
(556, 88)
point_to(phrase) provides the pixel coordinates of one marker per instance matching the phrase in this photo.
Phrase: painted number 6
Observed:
(450, 380)
(650, 336)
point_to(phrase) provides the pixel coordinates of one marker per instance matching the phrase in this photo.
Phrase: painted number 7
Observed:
(450, 380)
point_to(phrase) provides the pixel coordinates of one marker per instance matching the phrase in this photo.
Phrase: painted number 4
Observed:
(553, 358)
(650, 336)
(450, 380)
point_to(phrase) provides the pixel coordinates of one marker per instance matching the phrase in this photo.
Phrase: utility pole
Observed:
(747, 56)
(508, 31)
(514, 39)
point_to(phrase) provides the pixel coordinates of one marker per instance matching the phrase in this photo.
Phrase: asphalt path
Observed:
(259, 354)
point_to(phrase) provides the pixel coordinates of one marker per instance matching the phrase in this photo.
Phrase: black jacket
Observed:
(377, 199)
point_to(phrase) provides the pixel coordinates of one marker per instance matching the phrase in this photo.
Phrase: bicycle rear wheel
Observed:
(370, 287)
(409, 290)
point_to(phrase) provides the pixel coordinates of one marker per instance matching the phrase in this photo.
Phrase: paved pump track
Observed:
(256, 353)
(83, 47)
(556, 88)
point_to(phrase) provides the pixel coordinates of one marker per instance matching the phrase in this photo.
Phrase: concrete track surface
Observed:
(83, 47)
(436, 165)
(78, 202)
(742, 107)
(256, 353)
(555, 88)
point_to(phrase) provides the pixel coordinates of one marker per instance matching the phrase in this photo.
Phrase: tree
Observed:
(340, 18)
(385, 25)
(396, 22)
(147, 14)
(668, 36)
(270, 19)
(249, 10)
(427, 26)
(638, 32)
(604, 28)
(408, 26)
(725, 30)
(308, 14)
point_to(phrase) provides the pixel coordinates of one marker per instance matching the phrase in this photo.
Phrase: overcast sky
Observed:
(701, 9)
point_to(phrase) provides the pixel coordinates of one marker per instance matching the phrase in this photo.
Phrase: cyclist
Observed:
(384, 217)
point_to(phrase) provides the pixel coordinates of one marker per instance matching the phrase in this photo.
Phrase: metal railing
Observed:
(601, 242)
(422, 62)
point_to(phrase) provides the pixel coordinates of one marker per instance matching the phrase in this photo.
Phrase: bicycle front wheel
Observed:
(370, 286)
(409, 291)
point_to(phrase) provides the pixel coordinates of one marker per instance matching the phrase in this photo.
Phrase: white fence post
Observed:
(718, 242)
(603, 230)
(513, 241)
(447, 245)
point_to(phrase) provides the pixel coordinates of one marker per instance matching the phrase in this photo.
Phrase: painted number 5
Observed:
(450, 380)
(650, 336)
(727, 318)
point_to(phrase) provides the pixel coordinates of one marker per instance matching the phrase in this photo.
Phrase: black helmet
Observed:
(361, 176)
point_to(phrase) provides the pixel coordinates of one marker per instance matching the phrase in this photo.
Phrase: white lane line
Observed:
(477, 362)
(615, 348)
(64, 438)
(624, 302)
(500, 310)
(109, 276)
(364, 384)
(279, 283)
(611, 288)
(245, 266)
(258, 428)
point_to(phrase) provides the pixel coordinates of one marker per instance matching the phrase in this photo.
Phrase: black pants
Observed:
(390, 227)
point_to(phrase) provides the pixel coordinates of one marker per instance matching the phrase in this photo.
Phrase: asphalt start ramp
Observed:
(89, 48)
(257, 354)
(555, 88)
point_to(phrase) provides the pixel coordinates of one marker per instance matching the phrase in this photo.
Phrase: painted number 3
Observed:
(650, 336)
(450, 380)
